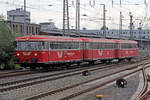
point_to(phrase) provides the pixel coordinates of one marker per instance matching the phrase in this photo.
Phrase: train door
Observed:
(92, 50)
(119, 53)
(45, 52)
(87, 51)
(117, 50)
(49, 51)
(83, 49)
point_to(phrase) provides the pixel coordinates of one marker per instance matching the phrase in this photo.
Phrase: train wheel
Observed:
(32, 68)
(91, 62)
(129, 59)
(78, 63)
(103, 61)
(68, 66)
(119, 60)
(108, 61)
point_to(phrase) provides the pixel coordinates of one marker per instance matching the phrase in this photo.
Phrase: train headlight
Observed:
(35, 54)
(18, 54)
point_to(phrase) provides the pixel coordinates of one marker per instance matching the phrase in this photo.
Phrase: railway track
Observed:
(45, 76)
(3, 72)
(52, 94)
(38, 77)
(78, 93)
(35, 86)
(12, 72)
(144, 93)
(51, 77)
(17, 73)
(25, 72)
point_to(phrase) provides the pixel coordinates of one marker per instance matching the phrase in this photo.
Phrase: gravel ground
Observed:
(80, 88)
(143, 53)
(112, 92)
(48, 86)
(16, 78)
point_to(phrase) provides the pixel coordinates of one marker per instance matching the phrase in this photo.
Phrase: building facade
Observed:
(18, 15)
(47, 26)
(32, 29)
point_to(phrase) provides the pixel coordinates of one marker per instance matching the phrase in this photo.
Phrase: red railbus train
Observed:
(47, 51)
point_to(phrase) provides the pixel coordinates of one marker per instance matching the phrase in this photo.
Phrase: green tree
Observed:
(7, 38)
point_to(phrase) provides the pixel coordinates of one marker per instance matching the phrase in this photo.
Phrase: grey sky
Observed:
(41, 12)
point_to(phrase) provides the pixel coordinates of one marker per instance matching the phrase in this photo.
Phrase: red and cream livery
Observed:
(40, 50)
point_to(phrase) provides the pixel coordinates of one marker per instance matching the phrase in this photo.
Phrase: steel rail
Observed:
(144, 96)
(97, 86)
(144, 89)
(18, 74)
(144, 93)
(10, 71)
(45, 76)
(102, 84)
(30, 79)
(51, 78)
(73, 86)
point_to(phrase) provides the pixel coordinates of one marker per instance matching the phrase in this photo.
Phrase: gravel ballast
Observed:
(112, 92)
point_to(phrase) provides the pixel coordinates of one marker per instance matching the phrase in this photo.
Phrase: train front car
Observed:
(127, 49)
(47, 51)
(31, 51)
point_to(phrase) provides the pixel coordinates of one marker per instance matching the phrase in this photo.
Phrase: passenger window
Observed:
(45, 45)
(86, 45)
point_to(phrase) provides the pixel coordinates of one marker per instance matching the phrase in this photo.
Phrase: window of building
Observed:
(14, 27)
(27, 29)
(21, 28)
(36, 30)
(30, 29)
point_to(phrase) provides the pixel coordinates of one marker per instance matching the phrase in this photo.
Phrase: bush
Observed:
(7, 38)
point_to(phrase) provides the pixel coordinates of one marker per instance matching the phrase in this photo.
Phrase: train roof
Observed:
(63, 38)
(97, 40)
(46, 38)
(108, 40)
(127, 41)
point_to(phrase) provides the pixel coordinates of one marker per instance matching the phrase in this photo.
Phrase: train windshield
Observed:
(30, 46)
